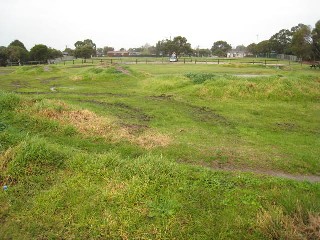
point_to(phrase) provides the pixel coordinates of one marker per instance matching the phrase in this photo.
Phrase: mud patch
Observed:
(19, 84)
(123, 111)
(161, 97)
(285, 126)
(49, 80)
(205, 114)
(134, 128)
(122, 70)
(33, 93)
(100, 94)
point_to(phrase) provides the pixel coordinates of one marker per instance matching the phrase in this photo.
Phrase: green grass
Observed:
(135, 152)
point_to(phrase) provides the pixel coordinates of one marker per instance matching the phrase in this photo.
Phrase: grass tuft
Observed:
(8, 101)
(275, 224)
(34, 156)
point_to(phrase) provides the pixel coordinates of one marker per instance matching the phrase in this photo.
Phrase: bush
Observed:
(199, 78)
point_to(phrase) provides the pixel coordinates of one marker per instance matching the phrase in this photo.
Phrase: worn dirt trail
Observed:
(296, 177)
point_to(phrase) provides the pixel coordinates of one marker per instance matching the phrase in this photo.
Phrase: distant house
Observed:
(134, 53)
(117, 54)
(236, 54)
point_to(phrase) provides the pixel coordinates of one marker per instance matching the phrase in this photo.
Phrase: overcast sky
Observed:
(132, 23)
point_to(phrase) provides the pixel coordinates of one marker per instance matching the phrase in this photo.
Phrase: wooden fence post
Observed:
(218, 61)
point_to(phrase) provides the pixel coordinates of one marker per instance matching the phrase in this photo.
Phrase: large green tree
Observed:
(3, 56)
(281, 42)
(302, 42)
(54, 53)
(82, 48)
(252, 48)
(17, 43)
(316, 40)
(220, 48)
(17, 52)
(263, 47)
(39, 52)
(179, 45)
(83, 52)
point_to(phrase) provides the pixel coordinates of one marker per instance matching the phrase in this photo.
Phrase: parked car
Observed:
(173, 59)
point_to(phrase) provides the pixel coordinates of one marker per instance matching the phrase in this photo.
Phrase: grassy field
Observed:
(160, 151)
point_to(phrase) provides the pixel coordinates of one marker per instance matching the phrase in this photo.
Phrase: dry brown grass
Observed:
(5, 158)
(275, 224)
(76, 78)
(113, 188)
(90, 124)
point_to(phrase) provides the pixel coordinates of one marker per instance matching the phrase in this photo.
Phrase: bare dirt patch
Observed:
(285, 126)
(205, 114)
(49, 80)
(296, 177)
(123, 111)
(19, 84)
(161, 97)
(122, 70)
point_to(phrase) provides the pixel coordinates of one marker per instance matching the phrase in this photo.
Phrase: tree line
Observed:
(17, 52)
(301, 40)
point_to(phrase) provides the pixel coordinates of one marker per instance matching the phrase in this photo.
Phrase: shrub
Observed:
(199, 78)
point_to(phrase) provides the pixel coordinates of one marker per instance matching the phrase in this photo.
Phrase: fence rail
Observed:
(132, 60)
(164, 60)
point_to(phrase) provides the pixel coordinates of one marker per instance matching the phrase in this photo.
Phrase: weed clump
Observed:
(199, 78)
(8, 101)
(275, 224)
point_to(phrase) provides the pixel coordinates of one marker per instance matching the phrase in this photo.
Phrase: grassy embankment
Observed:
(132, 152)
